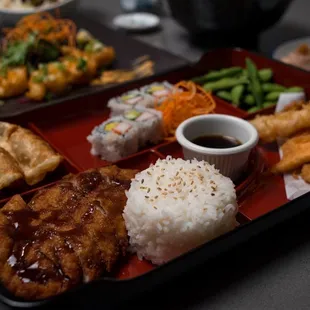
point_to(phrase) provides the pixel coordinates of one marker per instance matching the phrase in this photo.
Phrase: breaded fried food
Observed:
(70, 233)
(305, 172)
(14, 82)
(295, 105)
(283, 124)
(296, 152)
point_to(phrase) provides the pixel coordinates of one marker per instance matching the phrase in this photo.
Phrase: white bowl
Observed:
(230, 161)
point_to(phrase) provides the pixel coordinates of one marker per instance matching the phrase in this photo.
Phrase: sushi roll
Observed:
(158, 91)
(150, 124)
(129, 100)
(114, 139)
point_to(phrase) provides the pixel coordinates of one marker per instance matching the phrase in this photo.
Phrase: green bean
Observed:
(254, 82)
(236, 94)
(295, 89)
(265, 75)
(271, 87)
(249, 99)
(224, 95)
(217, 75)
(273, 96)
(225, 83)
(268, 104)
(253, 109)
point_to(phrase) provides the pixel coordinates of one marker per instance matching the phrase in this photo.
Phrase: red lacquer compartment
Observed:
(63, 169)
(68, 133)
(139, 161)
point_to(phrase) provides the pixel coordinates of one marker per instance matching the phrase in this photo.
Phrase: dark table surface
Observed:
(271, 272)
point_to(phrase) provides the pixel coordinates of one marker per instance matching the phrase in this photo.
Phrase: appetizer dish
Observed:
(293, 125)
(24, 156)
(43, 57)
(86, 218)
(247, 88)
(147, 116)
(299, 58)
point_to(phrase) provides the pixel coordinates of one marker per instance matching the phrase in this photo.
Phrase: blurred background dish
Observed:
(226, 16)
(295, 52)
(12, 11)
(136, 21)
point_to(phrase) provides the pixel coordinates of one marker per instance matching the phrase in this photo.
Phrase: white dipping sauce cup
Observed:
(229, 161)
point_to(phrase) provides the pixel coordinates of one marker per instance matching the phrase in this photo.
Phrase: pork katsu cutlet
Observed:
(67, 234)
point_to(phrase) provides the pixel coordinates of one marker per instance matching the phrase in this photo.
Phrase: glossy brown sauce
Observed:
(25, 235)
(216, 141)
(30, 229)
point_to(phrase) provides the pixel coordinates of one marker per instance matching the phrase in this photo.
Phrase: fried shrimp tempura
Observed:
(283, 124)
(296, 152)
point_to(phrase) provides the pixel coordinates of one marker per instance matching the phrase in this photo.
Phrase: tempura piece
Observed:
(101, 54)
(52, 77)
(296, 152)
(295, 106)
(283, 124)
(305, 173)
(14, 82)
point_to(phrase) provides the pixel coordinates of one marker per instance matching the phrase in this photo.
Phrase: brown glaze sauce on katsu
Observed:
(77, 222)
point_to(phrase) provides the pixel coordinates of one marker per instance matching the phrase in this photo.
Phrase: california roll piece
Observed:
(176, 205)
(129, 100)
(150, 124)
(114, 139)
(158, 91)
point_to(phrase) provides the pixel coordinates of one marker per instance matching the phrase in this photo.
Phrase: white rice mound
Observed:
(177, 205)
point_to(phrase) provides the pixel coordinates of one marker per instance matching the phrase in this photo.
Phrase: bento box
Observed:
(261, 196)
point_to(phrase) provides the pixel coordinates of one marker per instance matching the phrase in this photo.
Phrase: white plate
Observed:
(136, 21)
(32, 10)
(290, 46)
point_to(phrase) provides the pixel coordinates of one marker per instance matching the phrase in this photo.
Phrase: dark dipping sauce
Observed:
(216, 141)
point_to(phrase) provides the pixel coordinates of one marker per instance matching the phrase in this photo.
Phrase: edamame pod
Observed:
(249, 99)
(236, 94)
(224, 95)
(273, 96)
(295, 89)
(254, 82)
(217, 75)
(225, 83)
(271, 87)
(268, 104)
(265, 75)
(253, 109)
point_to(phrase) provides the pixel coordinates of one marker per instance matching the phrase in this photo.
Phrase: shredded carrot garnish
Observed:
(47, 27)
(186, 100)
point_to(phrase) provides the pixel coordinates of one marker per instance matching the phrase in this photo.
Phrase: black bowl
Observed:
(227, 16)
